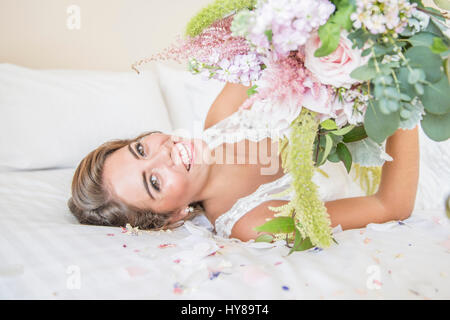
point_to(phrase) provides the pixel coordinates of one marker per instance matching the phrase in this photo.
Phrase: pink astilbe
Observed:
(283, 82)
(215, 41)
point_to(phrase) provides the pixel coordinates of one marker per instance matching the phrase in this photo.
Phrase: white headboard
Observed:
(89, 34)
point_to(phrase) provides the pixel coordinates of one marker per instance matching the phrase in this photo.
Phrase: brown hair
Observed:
(91, 203)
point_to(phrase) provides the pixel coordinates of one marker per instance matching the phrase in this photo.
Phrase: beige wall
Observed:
(113, 33)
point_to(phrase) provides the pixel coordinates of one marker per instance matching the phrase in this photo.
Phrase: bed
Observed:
(51, 118)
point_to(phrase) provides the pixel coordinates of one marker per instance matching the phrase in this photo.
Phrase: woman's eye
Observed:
(154, 182)
(140, 149)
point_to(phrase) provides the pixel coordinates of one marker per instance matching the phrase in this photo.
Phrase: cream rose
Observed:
(335, 68)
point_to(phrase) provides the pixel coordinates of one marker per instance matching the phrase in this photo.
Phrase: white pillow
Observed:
(188, 98)
(52, 119)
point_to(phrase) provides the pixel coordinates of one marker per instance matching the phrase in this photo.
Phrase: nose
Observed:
(164, 156)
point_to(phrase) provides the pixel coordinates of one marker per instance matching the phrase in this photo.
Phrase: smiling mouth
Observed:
(185, 155)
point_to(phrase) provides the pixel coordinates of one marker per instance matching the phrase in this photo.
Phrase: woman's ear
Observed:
(180, 214)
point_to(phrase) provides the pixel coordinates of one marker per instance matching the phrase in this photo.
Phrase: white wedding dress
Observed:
(244, 124)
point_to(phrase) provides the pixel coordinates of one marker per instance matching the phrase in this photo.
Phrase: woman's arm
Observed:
(227, 102)
(396, 194)
(394, 199)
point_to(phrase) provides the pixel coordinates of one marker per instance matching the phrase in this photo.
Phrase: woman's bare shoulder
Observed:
(227, 102)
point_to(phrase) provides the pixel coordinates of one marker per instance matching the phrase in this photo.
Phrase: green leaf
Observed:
(277, 225)
(328, 124)
(329, 35)
(447, 68)
(343, 130)
(364, 73)
(436, 127)
(423, 58)
(422, 39)
(324, 154)
(269, 35)
(342, 15)
(378, 125)
(300, 244)
(357, 133)
(405, 87)
(251, 91)
(443, 4)
(264, 238)
(367, 153)
(333, 157)
(344, 155)
(436, 97)
(438, 46)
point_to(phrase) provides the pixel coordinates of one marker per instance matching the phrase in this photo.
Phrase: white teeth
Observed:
(184, 155)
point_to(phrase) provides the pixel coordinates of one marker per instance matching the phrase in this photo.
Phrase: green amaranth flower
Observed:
(213, 12)
(311, 217)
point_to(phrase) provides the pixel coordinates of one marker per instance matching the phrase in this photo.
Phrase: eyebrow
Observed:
(144, 178)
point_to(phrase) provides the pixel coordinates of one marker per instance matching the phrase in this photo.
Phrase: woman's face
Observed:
(150, 173)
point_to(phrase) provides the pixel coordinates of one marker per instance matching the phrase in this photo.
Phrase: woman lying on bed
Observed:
(157, 181)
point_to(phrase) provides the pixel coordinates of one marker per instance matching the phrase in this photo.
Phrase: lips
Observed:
(185, 153)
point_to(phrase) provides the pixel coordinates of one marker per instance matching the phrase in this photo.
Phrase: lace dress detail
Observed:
(242, 125)
(265, 192)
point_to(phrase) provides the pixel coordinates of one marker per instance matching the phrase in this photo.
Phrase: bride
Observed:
(157, 181)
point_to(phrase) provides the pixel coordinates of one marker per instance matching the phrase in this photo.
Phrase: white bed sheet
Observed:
(46, 254)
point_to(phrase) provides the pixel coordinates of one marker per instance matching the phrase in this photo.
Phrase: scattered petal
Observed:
(136, 271)
(361, 292)
(367, 240)
(214, 274)
(167, 245)
(278, 263)
(110, 234)
(178, 288)
(285, 288)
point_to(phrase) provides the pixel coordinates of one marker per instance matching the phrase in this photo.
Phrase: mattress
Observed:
(46, 254)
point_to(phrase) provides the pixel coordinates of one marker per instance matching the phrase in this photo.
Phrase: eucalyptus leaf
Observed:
(333, 157)
(416, 112)
(436, 127)
(364, 73)
(378, 125)
(277, 225)
(368, 153)
(405, 87)
(436, 97)
(423, 58)
(422, 39)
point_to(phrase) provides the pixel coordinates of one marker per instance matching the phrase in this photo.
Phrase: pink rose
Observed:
(335, 68)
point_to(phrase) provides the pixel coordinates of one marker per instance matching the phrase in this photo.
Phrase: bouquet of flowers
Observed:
(348, 73)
